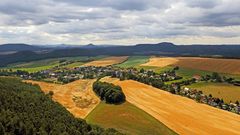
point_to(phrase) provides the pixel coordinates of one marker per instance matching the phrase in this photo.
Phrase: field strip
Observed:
(77, 97)
(160, 61)
(229, 66)
(183, 115)
(107, 61)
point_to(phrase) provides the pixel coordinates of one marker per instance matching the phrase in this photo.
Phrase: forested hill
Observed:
(25, 110)
(163, 49)
(19, 47)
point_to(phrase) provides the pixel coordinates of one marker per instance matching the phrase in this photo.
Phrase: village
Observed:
(158, 80)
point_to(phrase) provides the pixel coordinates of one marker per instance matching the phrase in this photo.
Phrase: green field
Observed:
(186, 73)
(134, 61)
(227, 92)
(156, 69)
(73, 65)
(35, 66)
(128, 119)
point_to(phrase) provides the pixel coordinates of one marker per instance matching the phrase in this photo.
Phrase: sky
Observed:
(121, 22)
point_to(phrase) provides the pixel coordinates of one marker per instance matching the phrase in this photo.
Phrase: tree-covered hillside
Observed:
(26, 110)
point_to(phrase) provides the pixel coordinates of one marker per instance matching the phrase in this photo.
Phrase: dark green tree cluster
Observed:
(216, 77)
(26, 110)
(108, 92)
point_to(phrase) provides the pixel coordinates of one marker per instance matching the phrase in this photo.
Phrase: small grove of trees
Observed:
(108, 92)
(26, 110)
(215, 77)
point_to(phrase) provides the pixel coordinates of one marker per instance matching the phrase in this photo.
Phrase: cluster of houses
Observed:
(212, 101)
(62, 75)
(90, 72)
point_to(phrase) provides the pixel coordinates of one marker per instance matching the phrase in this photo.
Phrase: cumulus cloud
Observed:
(119, 21)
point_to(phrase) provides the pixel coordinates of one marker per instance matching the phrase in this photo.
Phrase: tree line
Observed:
(26, 110)
(108, 92)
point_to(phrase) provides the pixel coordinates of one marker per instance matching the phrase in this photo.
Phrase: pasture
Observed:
(39, 65)
(107, 61)
(34, 66)
(134, 61)
(77, 97)
(128, 119)
(223, 91)
(73, 65)
(183, 115)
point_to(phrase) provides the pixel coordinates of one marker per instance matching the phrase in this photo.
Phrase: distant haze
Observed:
(121, 22)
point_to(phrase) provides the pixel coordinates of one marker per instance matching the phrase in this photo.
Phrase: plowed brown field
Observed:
(230, 66)
(107, 61)
(183, 115)
(77, 97)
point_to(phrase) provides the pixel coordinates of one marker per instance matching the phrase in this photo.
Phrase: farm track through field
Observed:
(183, 115)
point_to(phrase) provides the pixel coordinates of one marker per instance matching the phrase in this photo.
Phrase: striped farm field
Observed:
(228, 66)
(107, 61)
(184, 116)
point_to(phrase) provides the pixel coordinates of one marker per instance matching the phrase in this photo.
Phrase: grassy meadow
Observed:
(223, 91)
(35, 66)
(127, 119)
(134, 61)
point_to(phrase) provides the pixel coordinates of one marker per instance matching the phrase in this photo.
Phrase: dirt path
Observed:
(77, 97)
(107, 61)
(181, 114)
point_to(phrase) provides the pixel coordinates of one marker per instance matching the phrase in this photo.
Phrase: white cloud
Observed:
(116, 21)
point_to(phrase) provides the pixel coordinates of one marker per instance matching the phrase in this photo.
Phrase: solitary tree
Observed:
(50, 93)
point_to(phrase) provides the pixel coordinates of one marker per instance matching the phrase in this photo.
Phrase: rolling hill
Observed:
(26, 110)
(128, 119)
(183, 115)
(19, 47)
(164, 49)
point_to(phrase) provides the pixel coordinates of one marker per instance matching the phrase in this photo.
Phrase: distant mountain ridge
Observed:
(161, 49)
(18, 47)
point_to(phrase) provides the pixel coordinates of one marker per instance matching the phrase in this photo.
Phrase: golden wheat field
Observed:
(107, 61)
(77, 97)
(183, 115)
(160, 61)
(230, 66)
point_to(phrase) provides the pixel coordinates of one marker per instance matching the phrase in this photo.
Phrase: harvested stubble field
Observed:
(77, 97)
(183, 115)
(107, 61)
(229, 66)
